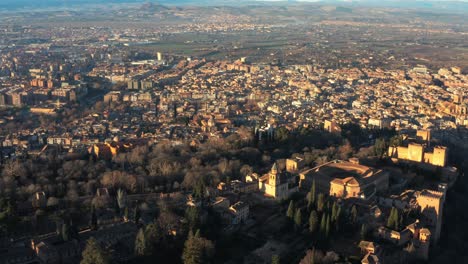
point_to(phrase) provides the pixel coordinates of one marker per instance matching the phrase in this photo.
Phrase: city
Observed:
(249, 132)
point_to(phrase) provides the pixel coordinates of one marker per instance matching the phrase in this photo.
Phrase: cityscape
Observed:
(233, 132)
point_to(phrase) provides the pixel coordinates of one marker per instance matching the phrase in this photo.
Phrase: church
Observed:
(278, 184)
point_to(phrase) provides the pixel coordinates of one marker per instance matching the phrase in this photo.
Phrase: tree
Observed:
(94, 220)
(121, 199)
(65, 232)
(310, 257)
(8, 217)
(199, 189)
(136, 213)
(313, 221)
(380, 147)
(93, 253)
(323, 224)
(141, 248)
(291, 210)
(338, 218)
(396, 141)
(327, 227)
(126, 214)
(153, 235)
(311, 195)
(298, 218)
(193, 217)
(334, 211)
(275, 259)
(393, 221)
(396, 220)
(197, 249)
(363, 231)
(354, 215)
(281, 134)
(320, 202)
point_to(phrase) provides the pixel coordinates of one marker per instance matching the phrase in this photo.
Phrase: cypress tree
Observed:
(323, 224)
(312, 257)
(327, 227)
(338, 218)
(153, 235)
(298, 218)
(136, 214)
(354, 214)
(193, 216)
(126, 213)
(93, 253)
(396, 220)
(94, 220)
(393, 221)
(275, 259)
(400, 222)
(363, 231)
(140, 244)
(313, 221)
(65, 232)
(334, 211)
(197, 250)
(291, 210)
(309, 200)
(311, 195)
(320, 202)
(390, 220)
(192, 251)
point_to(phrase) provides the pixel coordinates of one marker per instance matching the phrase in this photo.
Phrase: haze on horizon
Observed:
(19, 4)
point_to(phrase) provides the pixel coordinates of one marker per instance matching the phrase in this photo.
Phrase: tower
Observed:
(439, 156)
(424, 241)
(274, 175)
(431, 204)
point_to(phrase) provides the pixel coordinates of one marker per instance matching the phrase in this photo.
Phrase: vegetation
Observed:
(94, 254)
(197, 249)
(313, 222)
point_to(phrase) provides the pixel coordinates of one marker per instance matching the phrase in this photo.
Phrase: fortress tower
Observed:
(431, 204)
(439, 157)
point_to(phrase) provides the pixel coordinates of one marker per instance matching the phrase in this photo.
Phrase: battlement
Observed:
(431, 194)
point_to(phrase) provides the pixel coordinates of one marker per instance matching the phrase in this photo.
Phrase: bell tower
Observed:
(274, 175)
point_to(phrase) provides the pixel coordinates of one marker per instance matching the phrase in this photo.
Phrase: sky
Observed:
(12, 4)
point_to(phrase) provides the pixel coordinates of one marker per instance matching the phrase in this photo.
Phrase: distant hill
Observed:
(438, 5)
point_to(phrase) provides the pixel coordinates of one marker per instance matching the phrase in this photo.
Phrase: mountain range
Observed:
(448, 5)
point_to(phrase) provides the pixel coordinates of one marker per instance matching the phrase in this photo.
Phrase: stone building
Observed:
(346, 179)
(431, 204)
(239, 212)
(332, 126)
(276, 184)
(293, 165)
(420, 153)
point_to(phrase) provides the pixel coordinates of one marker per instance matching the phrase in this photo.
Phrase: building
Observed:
(421, 240)
(113, 96)
(379, 123)
(346, 179)
(240, 212)
(276, 184)
(371, 251)
(424, 135)
(39, 200)
(419, 153)
(332, 126)
(431, 204)
(294, 165)
(398, 238)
